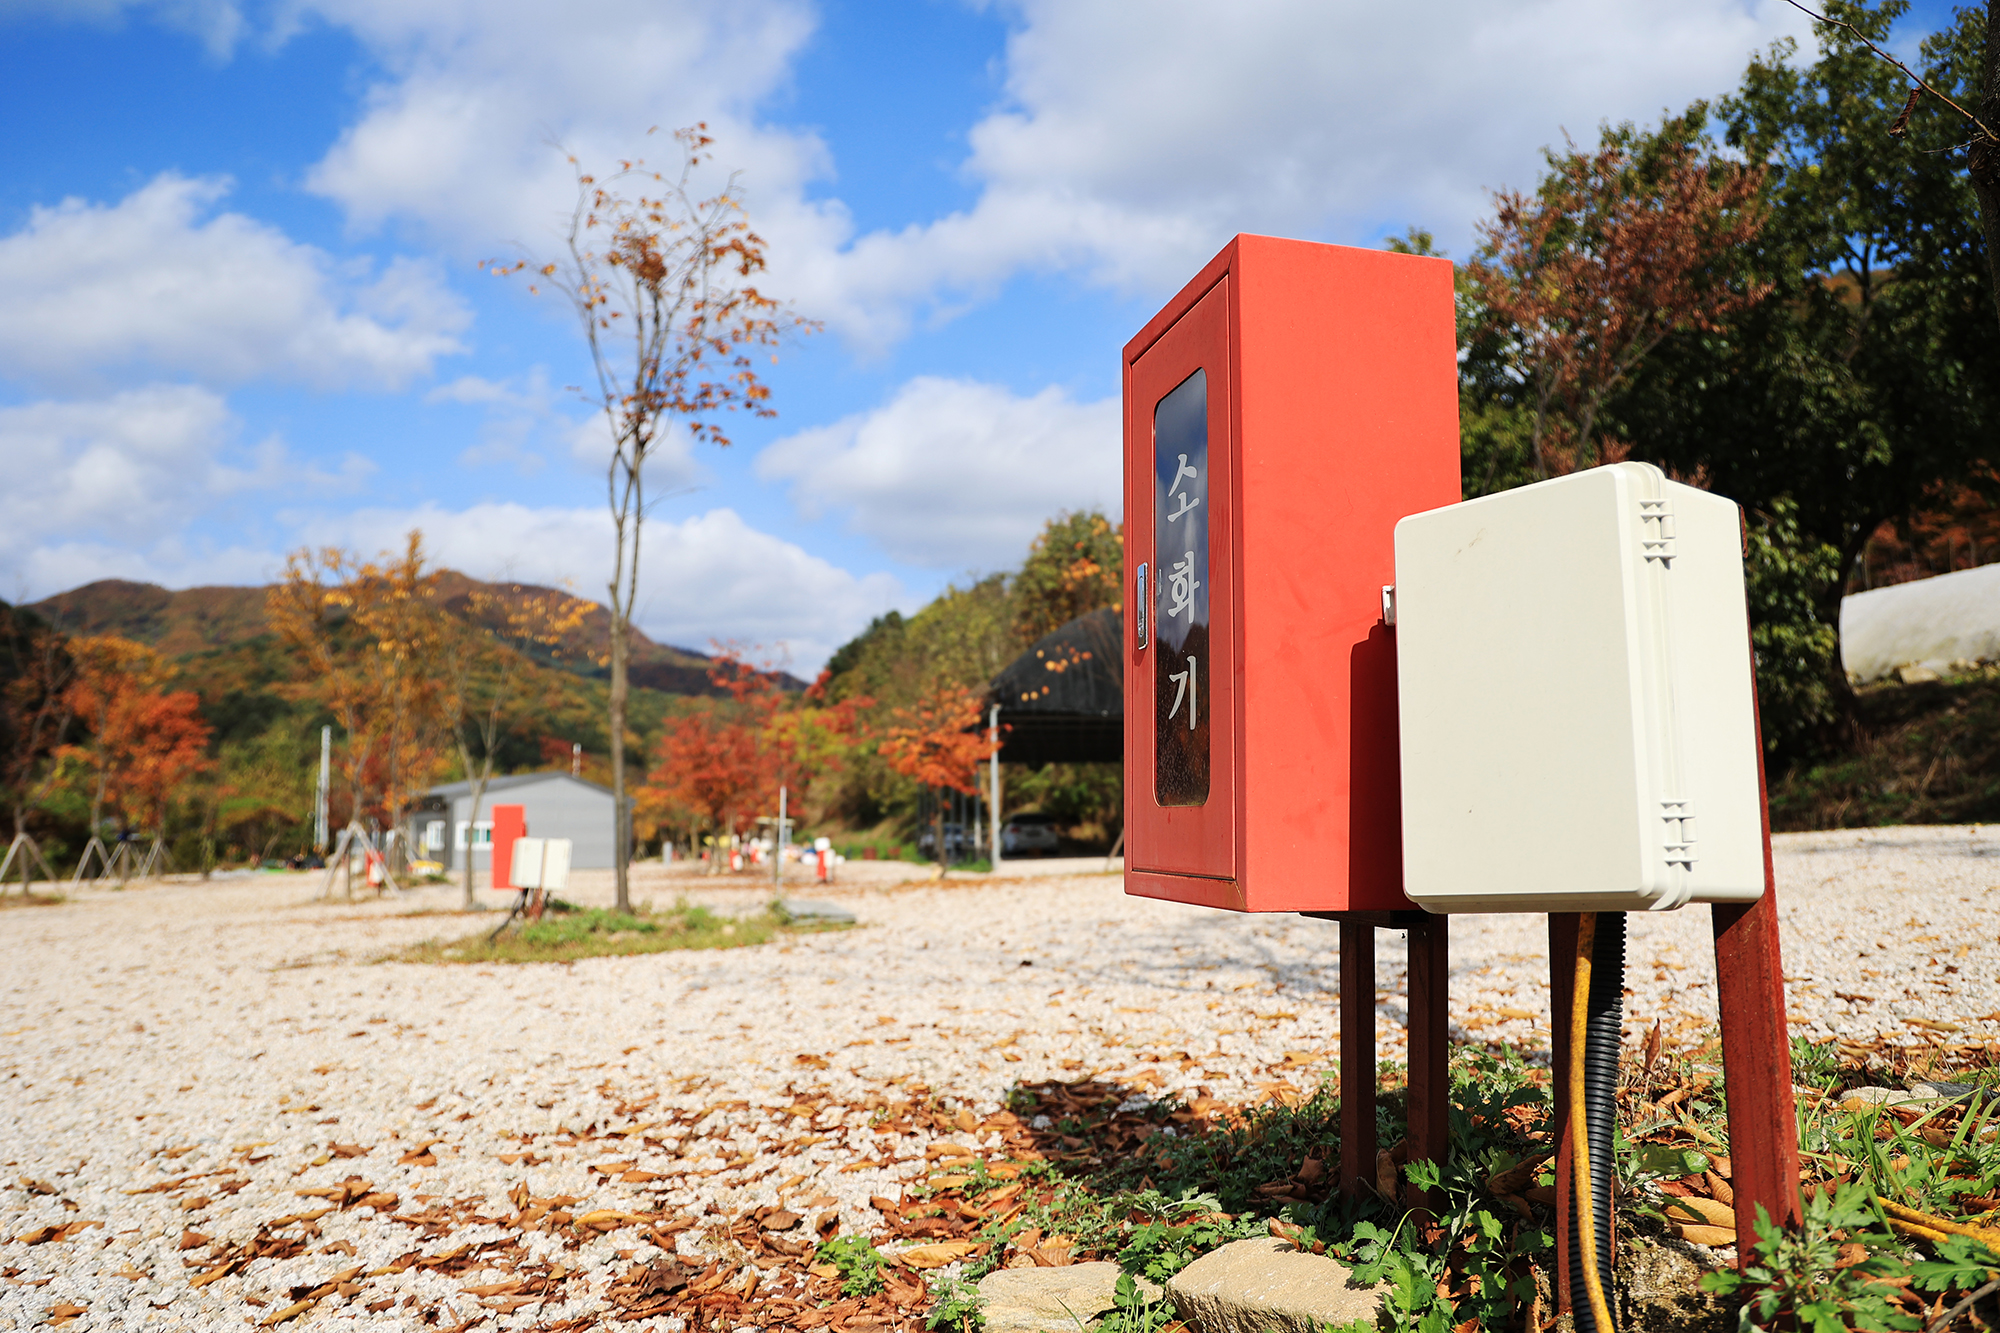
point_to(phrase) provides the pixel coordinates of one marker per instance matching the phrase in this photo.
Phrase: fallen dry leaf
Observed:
(934, 1256)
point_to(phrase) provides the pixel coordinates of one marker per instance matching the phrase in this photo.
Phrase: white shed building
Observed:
(556, 805)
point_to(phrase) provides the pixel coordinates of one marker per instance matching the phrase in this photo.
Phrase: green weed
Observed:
(859, 1262)
(1797, 1278)
(955, 1305)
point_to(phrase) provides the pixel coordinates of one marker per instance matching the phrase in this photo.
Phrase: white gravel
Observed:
(232, 1032)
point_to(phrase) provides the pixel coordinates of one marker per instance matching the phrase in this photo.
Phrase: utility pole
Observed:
(993, 769)
(778, 844)
(320, 797)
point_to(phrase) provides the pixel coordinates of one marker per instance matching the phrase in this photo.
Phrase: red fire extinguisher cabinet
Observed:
(1281, 414)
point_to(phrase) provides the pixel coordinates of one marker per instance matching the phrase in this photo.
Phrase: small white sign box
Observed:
(1576, 701)
(541, 863)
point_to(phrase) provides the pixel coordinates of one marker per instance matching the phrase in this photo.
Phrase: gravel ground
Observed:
(188, 1057)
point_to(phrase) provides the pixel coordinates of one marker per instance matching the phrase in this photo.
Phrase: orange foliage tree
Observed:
(372, 636)
(662, 281)
(162, 743)
(713, 765)
(938, 742)
(146, 742)
(108, 669)
(1617, 250)
(724, 759)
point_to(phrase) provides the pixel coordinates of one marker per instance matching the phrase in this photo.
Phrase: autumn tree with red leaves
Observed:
(726, 758)
(1617, 250)
(663, 281)
(147, 742)
(937, 741)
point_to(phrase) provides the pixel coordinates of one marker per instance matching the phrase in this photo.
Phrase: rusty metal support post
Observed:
(1357, 1057)
(1430, 1055)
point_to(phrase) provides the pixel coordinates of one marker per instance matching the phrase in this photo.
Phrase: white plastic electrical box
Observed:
(1576, 704)
(542, 863)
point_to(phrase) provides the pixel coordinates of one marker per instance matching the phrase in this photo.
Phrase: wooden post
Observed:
(1357, 1057)
(1430, 1055)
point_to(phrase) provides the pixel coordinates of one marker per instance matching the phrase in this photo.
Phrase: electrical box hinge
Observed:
(1656, 529)
(1678, 817)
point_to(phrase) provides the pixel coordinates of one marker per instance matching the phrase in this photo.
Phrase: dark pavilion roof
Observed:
(1063, 700)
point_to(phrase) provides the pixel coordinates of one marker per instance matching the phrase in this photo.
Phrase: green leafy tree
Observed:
(1869, 377)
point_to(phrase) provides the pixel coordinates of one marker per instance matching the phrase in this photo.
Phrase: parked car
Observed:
(1028, 835)
(957, 841)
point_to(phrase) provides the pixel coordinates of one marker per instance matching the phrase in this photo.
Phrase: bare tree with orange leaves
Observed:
(663, 282)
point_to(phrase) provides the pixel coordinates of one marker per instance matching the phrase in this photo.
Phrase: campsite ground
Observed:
(219, 1081)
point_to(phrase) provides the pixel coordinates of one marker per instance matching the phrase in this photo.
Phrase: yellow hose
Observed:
(1584, 1209)
(1923, 1222)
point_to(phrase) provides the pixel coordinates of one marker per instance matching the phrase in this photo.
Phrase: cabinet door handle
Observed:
(1142, 606)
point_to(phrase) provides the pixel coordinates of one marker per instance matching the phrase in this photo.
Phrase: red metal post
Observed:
(1757, 1049)
(1430, 1064)
(1757, 1055)
(1357, 1057)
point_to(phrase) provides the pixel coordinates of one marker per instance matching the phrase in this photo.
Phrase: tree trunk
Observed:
(937, 827)
(1983, 162)
(620, 851)
(472, 817)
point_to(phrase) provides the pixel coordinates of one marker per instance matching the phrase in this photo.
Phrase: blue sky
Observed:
(240, 308)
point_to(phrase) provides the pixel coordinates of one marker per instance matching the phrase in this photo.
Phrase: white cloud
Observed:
(104, 487)
(711, 577)
(951, 473)
(457, 136)
(1127, 148)
(1131, 147)
(154, 283)
(217, 24)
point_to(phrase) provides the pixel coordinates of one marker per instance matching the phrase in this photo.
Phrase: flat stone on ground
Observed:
(802, 909)
(1263, 1284)
(1049, 1300)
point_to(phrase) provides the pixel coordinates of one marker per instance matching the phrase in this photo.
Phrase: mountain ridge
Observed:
(180, 623)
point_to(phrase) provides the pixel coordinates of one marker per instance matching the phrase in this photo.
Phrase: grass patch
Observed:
(30, 899)
(1152, 1184)
(563, 936)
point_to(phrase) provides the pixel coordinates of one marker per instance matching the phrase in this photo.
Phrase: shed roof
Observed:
(514, 780)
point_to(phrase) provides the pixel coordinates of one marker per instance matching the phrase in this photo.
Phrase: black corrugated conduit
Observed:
(1597, 1016)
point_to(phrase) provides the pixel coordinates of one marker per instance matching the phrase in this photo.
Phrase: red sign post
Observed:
(510, 822)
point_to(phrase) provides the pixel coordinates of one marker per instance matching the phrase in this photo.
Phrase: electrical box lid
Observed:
(1576, 702)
